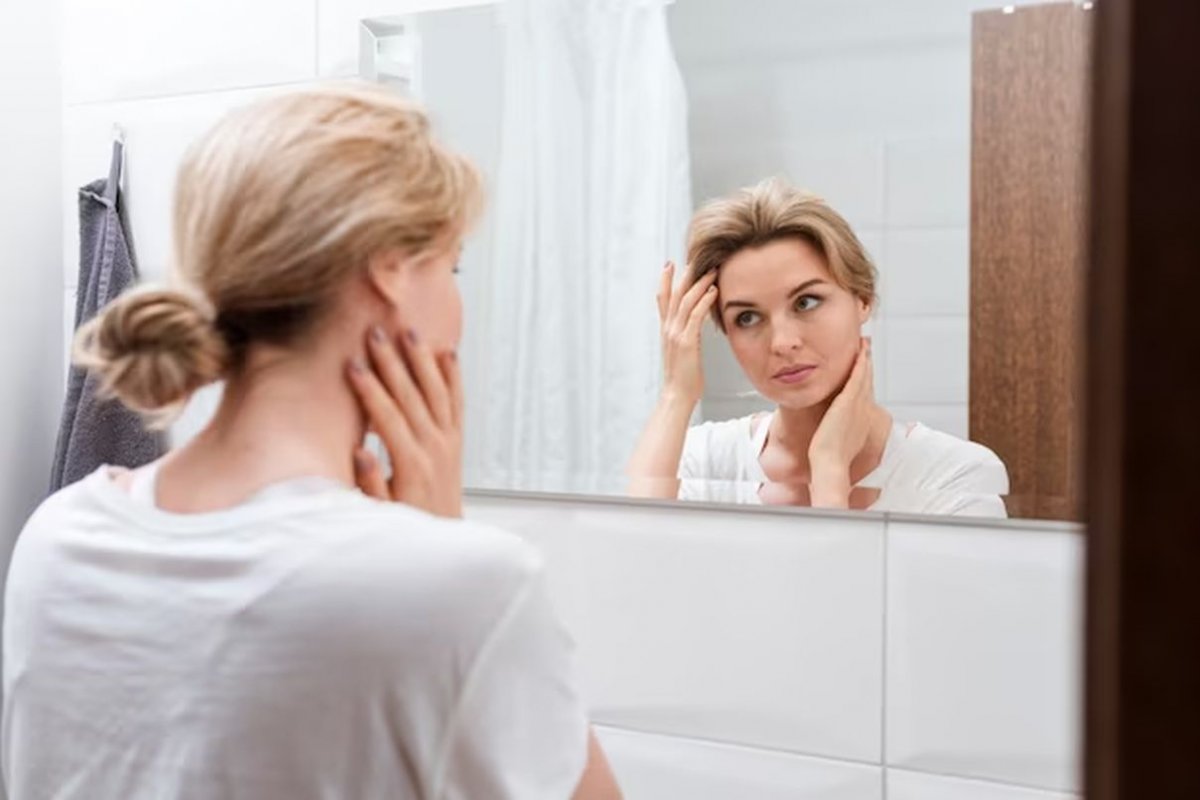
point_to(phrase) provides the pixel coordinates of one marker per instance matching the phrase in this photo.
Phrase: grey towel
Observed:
(94, 431)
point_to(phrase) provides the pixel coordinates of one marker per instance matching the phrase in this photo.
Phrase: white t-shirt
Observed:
(309, 643)
(922, 471)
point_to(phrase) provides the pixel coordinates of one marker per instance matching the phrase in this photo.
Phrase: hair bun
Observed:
(152, 348)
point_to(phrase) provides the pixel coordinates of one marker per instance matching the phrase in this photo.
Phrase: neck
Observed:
(284, 416)
(793, 428)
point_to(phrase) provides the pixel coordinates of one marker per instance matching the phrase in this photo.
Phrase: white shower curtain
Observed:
(593, 196)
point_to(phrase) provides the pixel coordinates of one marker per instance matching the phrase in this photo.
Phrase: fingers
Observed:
(383, 412)
(397, 381)
(699, 312)
(675, 295)
(369, 475)
(687, 303)
(452, 375)
(664, 290)
(424, 365)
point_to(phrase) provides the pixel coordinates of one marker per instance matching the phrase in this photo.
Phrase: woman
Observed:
(241, 619)
(789, 284)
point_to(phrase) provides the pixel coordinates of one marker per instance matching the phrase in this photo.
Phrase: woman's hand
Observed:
(843, 434)
(414, 402)
(681, 316)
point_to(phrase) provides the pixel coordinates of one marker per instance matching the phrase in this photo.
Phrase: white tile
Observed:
(338, 24)
(927, 360)
(139, 48)
(158, 132)
(748, 628)
(848, 174)
(546, 524)
(652, 767)
(928, 272)
(903, 785)
(953, 419)
(984, 653)
(928, 182)
(874, 92)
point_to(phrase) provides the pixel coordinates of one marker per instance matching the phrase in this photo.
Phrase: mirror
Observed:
(923, 162)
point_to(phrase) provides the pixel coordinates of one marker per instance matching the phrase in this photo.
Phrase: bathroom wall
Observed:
(733, 653)
(868, 103)
(30, 269)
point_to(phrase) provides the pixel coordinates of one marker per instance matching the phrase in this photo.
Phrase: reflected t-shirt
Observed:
(309, 643)
(922, 471)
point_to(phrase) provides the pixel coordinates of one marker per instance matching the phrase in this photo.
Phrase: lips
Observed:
(794, 374)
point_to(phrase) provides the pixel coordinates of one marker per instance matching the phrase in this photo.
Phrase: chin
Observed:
(799, 398)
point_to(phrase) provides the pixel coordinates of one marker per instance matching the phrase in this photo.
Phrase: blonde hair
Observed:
(274, 209)
(769, 211)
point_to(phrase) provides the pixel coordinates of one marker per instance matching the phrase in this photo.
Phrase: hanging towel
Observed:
(95, 431)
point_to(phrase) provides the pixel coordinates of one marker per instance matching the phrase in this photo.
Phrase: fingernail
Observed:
(412, 335)
(361, 461)
(712, 289)
(378, 335)
(668, 265)
(358, 366)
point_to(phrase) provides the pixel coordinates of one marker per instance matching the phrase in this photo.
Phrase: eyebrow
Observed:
(791, 294)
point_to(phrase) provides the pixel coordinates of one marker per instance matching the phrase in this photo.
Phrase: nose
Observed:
(787, 337)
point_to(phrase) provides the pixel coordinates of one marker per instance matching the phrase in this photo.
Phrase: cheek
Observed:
(748, 350)
(433, 305)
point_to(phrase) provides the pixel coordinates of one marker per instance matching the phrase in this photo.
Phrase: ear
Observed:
(866, 309)
(387, 274)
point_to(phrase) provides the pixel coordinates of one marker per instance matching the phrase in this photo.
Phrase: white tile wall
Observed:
(928, 272)
(904, 785)
(983, 653)
(953, 419)
(727, 649)
(848, 174)
(652, 767)
(744, 628)
(139, 48)
(928, 182)
(927, 360)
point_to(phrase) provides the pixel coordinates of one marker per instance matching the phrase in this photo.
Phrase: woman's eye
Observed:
(745, 319)
(808, 302)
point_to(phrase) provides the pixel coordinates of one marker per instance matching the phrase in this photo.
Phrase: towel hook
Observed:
(118, 133)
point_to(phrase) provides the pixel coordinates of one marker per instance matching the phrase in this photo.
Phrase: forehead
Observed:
(775, 267)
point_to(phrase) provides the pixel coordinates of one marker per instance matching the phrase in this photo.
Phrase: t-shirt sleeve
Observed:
(520, 727)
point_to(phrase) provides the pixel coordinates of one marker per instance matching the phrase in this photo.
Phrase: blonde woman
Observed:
(261, 614)
(790, 286)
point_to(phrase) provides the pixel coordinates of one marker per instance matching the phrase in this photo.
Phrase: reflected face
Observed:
(794, 331)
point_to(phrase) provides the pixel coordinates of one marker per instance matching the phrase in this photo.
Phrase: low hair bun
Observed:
(152, 348)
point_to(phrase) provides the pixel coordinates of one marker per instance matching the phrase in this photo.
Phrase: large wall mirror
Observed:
(889, 199)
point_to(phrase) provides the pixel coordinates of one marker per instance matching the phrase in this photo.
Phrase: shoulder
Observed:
(427, 548)
(939, 460)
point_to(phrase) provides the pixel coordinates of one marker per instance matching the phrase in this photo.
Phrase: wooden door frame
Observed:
(1142, 729)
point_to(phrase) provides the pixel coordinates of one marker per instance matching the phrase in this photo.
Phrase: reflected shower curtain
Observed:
(593, 197)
